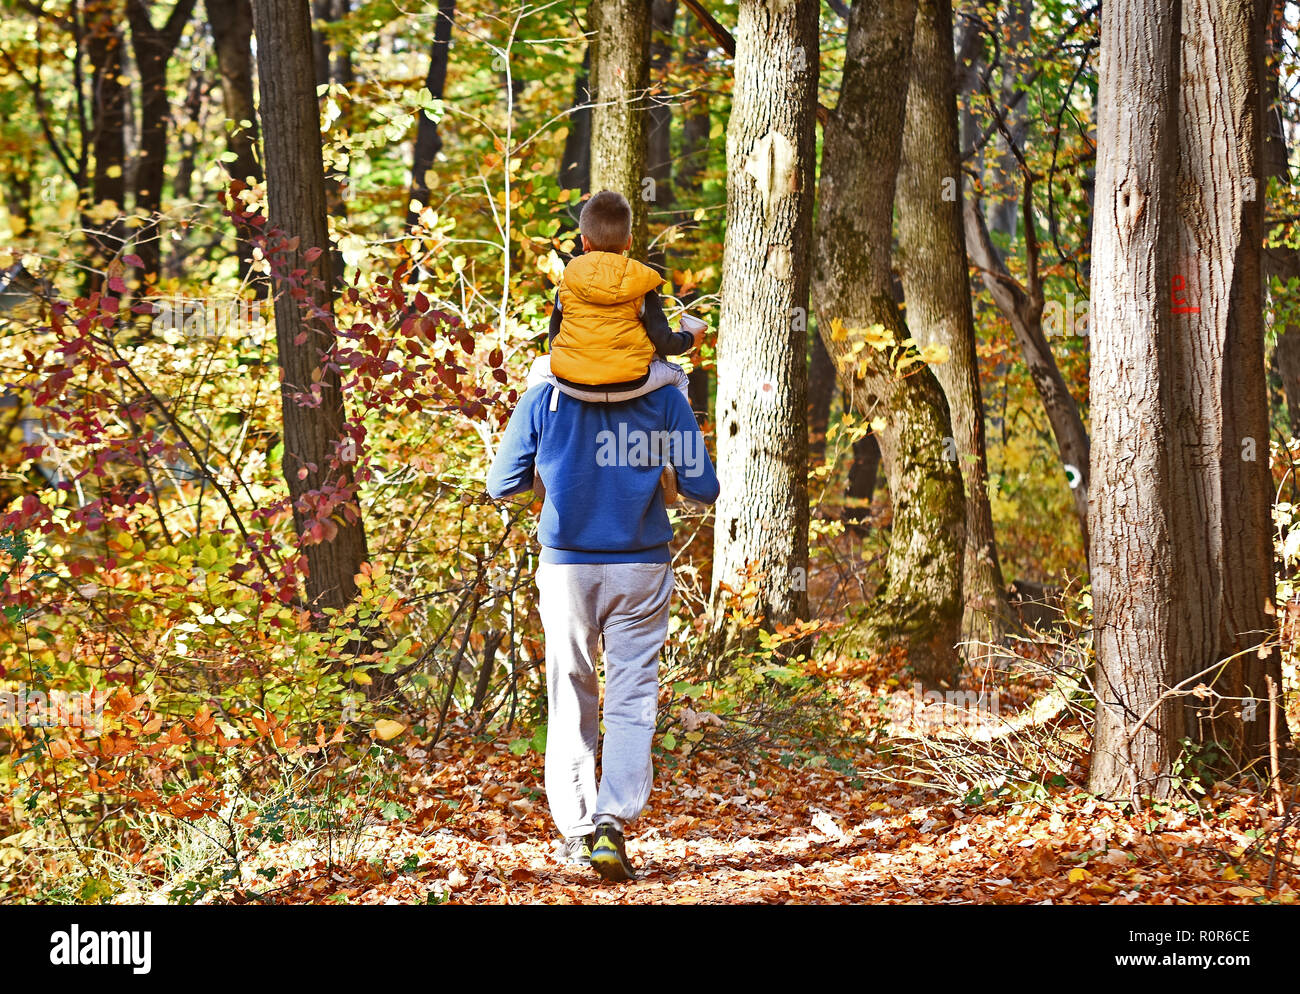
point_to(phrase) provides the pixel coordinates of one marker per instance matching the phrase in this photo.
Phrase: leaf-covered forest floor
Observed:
(779, 828)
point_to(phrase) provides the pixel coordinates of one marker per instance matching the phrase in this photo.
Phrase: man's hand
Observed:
(699, 337)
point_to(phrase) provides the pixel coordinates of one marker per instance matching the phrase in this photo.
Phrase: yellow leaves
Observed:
(1078, 874)
(387, 729)
(1230, 873)
(361, 677)
(935, 353)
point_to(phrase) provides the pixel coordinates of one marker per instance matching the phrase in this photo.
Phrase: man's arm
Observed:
(696, 478)
(665, 340)
(512, 469)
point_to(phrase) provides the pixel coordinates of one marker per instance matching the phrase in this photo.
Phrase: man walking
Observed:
(605, 574)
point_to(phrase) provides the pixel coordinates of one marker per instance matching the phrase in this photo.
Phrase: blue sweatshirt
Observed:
(600, 464)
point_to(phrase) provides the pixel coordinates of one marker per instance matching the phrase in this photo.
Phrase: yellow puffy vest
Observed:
(601, 338)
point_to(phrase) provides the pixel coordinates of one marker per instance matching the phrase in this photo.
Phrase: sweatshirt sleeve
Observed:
(512, 469)
(666, 341)
(695, 475)
(555, 322)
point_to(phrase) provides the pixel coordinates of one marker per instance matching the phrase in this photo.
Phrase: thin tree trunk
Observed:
(296, 194)
(428, 142)
(920, 605)
(690, 171)
(1015, 55)
(232, 31)
(1283, 263)
(153, 48)
(762, 514)
(659, 156)
(1023, 307)
(862, 476)
(575, 167)
(104, 41)
(821, 391)
(620, 79)
(936, 283)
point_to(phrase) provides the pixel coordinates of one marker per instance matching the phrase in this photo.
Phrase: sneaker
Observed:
(668, 480)
(577, 850)
(608, 856)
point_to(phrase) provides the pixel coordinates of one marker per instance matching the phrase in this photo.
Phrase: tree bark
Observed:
(659, 156)
(428, 142)
(232, 32)
(1181, 536)
(620, 79)
(575, 167)
(936, 284)
(1015, 55)
(104, 41)
(313, 435)
(919, 608)
(821, 391)
(153, 48)
(689, 179)
(761, 516)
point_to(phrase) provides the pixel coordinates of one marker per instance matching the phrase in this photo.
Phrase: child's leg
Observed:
(540, 370)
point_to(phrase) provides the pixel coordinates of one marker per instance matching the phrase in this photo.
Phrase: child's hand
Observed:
(695, 328)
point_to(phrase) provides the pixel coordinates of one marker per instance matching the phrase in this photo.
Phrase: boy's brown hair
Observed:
(606, 221)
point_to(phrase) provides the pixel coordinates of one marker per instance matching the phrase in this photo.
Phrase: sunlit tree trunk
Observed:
(762, 514)
(620, 80)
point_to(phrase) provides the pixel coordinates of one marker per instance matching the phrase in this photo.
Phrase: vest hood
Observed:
(609, 278)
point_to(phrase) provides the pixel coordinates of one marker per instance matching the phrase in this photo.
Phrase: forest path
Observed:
(719, 832)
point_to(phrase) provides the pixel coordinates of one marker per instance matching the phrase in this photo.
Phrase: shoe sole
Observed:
(609, 866)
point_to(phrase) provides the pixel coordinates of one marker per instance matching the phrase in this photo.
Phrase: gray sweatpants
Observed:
(626, 604)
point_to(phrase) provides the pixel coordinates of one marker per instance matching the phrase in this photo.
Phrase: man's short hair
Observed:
(606, 221)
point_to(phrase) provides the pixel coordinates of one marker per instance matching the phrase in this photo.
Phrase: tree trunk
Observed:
(296, 195)
(936, 283)
(762, 514)
(659, 156)
(232, 32)
(153, 48)
(1182, 555)
(693, 161)
(920, 605)
(108, 136)
(575, 167)
(620, 78)
(1283, 263)
(1023, 307)
(1218, 262)
(1015, 54)
(821, 391)
(862, 476)
(428, 142)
